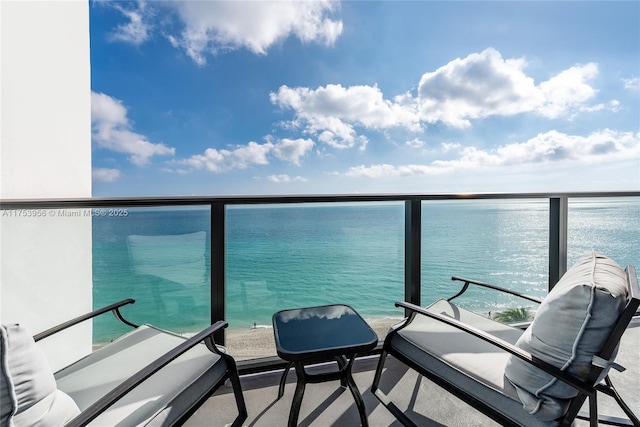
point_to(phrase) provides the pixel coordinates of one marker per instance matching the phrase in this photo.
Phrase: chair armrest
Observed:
(468, 282)
(136, 379)
(115, 308)
(504, 345)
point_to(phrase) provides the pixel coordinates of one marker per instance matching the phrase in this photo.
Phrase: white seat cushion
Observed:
(151, 402)
(478, 358)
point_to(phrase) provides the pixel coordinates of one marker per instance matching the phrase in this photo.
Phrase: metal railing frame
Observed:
(558, 222)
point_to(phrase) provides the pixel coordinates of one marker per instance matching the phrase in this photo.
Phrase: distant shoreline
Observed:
(257, 342)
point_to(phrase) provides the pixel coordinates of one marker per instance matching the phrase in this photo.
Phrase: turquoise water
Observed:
(288, 256)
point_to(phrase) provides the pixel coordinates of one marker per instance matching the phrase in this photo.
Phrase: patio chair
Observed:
(540, 376)
(146, 377)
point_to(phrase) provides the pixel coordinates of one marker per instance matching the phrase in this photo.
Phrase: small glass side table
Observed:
(315, 334)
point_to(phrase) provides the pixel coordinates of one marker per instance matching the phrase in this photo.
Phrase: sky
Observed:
(358, 97)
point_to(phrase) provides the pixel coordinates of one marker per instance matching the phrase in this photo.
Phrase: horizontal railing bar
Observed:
(283, 199)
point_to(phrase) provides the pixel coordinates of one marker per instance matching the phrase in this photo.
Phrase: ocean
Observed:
(286, 256)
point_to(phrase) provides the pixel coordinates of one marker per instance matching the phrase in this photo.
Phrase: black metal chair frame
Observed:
(586, 389)
(102, 404)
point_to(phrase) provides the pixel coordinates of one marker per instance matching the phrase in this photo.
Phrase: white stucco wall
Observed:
(45, 152)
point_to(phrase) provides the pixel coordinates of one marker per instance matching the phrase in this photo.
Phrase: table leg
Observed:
(342, 364)
(297, 396)
(283, 380)
(344, 374)
(356, 394)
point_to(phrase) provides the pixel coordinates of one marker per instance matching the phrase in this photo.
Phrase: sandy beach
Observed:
(259, 342)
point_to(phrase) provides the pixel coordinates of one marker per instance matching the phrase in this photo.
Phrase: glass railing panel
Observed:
(158, 256)
(610, 226)
(46, 275)
(289, 256)
(500, 242)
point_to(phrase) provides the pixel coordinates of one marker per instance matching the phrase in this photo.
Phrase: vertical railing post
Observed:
(412, 242)
(558, 219)
(218, 266)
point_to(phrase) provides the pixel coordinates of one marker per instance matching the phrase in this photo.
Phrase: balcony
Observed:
(408, 246)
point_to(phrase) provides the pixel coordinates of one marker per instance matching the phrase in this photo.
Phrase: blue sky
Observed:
(255, 98)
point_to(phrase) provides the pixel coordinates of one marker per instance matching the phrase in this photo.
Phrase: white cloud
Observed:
(613, 105)
(599, 147)
(415, 143)
(449, 146)
(222, 160)
(105, 174)
(485, 84)
(214, 26)
(292, 150)
(253, 153)
(481, 85)
(332, 111)
(568, 90)
(385, 170)
(209, 27)
(278, 179)
(250, 154)
(111, 130)
(632, 83)
(138, 28)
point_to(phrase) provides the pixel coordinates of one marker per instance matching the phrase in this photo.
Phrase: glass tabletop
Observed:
(330, 330)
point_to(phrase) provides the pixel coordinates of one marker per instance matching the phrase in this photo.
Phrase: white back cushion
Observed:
(28, 389)
(570, 327)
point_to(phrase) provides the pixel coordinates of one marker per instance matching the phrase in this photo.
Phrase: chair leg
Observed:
(376, 378)
(384, 400)
(593, 410)
(237, 392)
(611, 391)
(596, 419)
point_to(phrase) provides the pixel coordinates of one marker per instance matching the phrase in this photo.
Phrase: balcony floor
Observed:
(328, 404)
